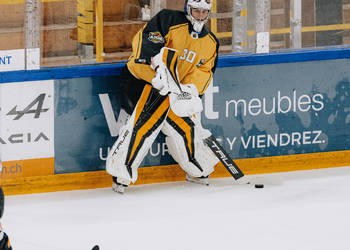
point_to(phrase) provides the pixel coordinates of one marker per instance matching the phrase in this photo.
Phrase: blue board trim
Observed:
(286, 56)
(75, 71)
(225, 60)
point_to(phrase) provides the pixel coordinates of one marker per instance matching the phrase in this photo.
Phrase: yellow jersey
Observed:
(198, 53)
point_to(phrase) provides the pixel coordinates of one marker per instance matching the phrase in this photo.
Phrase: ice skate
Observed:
(117, 186)
(203, 180)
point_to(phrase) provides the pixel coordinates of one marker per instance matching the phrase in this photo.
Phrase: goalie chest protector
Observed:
(198, 53)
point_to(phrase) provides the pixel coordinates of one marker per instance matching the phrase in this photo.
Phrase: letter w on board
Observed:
(113, 125)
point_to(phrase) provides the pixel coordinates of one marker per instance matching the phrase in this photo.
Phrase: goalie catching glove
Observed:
(184, 99)
(186, 104)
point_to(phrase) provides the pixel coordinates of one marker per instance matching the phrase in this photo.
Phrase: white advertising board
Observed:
(27, 120)
(12, 60)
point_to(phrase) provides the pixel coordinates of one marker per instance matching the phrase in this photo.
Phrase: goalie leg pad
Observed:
(136, 137)
(185, 144)
(115, 164)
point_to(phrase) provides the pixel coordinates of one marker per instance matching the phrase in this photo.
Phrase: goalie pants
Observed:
(150, 113)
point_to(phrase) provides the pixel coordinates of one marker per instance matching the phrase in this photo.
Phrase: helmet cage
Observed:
(197, 4)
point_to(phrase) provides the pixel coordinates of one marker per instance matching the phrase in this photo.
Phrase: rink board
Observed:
(278, 112)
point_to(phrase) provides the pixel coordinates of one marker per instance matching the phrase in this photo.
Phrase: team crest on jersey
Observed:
(155, 37)
(201, 62)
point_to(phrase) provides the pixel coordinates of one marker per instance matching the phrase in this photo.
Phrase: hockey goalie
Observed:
(173, 61)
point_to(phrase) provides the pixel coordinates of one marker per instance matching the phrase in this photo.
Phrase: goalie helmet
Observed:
(203, 5)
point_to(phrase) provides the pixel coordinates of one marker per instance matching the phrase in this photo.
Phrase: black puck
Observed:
(259, 185)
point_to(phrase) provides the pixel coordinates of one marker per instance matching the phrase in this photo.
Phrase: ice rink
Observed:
(300, 210)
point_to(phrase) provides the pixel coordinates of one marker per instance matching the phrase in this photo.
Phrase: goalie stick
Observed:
(211, 142)
(224, 157)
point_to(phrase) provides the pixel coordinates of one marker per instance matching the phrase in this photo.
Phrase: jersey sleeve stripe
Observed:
(139, 43)
(207, 83)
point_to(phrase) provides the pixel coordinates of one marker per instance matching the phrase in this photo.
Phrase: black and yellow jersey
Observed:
(198, 53)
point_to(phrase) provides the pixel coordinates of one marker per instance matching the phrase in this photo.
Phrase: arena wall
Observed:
(279, 112)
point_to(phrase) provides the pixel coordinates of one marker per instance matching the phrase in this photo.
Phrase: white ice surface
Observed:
(300, 210)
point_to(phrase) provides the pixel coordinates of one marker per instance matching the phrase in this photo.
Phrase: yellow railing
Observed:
(99, 30)
(214, 21)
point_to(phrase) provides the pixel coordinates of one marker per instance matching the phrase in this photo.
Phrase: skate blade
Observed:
(200, 181)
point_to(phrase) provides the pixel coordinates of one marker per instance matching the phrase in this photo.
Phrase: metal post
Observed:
(85, 25)
(240, 26)
(156, 6)
(251, 25)
(295, 24)
(32, 33)
(263, 26)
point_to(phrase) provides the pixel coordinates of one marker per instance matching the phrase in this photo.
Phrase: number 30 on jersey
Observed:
(188, 56)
